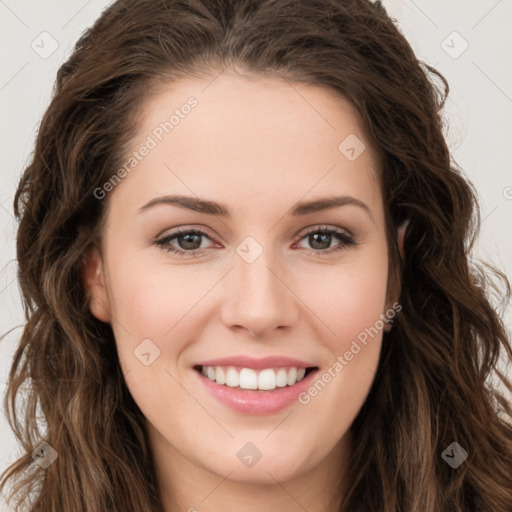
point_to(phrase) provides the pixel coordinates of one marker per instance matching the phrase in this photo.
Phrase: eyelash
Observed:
(346, 239)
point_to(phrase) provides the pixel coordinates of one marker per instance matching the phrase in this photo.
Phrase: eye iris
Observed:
(325, 239)
(189, 241)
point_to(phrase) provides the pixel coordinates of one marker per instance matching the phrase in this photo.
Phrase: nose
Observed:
(259, 296)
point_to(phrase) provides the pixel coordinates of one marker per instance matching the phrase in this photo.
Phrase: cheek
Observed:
(152, 302)
(359, 303)
(156, 303)
(351, 306)
(335, 396)
(348, 298)
(149, 290)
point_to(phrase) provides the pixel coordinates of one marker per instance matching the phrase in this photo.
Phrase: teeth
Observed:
(292, 376)
(220, 375)
(267, 379)
(281, 378)
(232, 378)
(247, 378)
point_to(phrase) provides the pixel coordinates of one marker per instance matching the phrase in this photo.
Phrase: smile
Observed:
(255, 386)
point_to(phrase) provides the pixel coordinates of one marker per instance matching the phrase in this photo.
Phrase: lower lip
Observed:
(256, 402)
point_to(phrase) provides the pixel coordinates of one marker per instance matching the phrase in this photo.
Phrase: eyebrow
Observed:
(221, 210)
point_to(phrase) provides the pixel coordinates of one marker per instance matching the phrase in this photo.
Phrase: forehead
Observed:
(242, 139)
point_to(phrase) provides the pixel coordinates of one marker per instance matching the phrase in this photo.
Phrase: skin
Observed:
(257, 145)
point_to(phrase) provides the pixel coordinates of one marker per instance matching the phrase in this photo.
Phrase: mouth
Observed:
(262, 380)
(255, 386)
(255, 392)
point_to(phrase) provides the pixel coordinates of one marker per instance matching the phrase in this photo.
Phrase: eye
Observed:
(188, 242)
(320, 239)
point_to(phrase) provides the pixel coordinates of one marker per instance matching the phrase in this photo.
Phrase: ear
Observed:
(94, 284)
(400, 235)
(400, 239)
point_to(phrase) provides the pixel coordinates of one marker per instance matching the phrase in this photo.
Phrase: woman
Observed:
(244, 254)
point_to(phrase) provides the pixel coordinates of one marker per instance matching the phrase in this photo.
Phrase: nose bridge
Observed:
(258, 298)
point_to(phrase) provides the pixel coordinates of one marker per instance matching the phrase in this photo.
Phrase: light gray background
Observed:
(478, 116)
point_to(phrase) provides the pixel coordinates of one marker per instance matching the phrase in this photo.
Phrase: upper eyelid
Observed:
(184, 230)
(323, 227)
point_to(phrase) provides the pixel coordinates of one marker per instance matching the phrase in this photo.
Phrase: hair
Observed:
(433, 383)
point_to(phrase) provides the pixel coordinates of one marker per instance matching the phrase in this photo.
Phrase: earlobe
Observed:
(94, 285)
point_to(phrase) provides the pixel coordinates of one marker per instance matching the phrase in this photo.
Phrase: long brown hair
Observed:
(433, 384)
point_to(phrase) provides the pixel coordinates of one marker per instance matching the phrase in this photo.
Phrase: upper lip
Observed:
(255, 363)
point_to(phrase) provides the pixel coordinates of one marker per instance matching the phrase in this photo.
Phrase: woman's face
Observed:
(267, 286)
